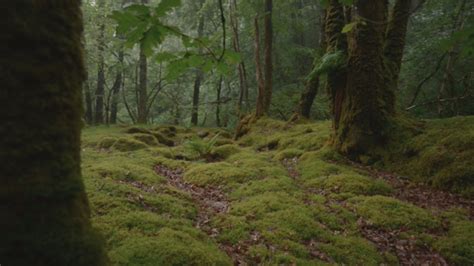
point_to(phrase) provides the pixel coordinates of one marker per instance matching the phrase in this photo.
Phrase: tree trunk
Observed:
(197, 81)
(100, 90)
(142, 116)
(44, 208)
(394, 47)
(243, 94)
(218, 102)
(268, 55)
(336, 41)
(260, 106)
(265, 79)
(312, 82)
(116, 91)
(89, 115)
(364, 114)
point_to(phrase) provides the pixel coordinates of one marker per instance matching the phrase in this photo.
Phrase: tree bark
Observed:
(89, 115)
(260, 106)
(394, 48)
(336, 41)
(142, 116)
(218, 102)
(100, 90)
(364, 114)
(243, 94)
(268, 39)
(116, 90)
(43, 205)
(198, 80)
(312, 83)
(265, 75)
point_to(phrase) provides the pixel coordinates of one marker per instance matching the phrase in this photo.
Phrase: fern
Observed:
(201, 147)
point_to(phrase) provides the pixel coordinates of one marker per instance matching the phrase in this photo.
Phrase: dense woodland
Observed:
(227, 132)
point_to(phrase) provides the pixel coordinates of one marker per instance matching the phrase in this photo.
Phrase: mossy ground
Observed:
(274, 217)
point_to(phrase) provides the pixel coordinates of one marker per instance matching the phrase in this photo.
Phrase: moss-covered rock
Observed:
(458, 245)
(168, 247)
(221, 173)
(106, 143)
(393, 214)
(128, 144)
(225, 151)
(146, 138)
(351, 183)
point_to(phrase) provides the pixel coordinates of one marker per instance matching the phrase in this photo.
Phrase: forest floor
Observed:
(170, 195)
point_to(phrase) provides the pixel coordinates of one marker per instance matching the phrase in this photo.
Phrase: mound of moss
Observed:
(390, 213)
(458, 245)
(442, 155)
(168, 247)
(128, 144)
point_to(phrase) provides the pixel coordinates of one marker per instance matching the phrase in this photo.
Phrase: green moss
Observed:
(458, 245)
(441, 155)
(351, 183)
(288, 154)
(351, 251)
(127, 144)
(257, 206)
(260, 164)
(257, 187)
(163, 140)
(393, 214)
(225, 151)
(220, 173)
(169, 247)
(145, 138)
(106, 143)
(234, 228)
(296, 223)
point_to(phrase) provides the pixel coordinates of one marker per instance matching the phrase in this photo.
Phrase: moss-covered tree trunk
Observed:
(43, 207)
(312, 83)
(364, 114)
(394, 48)
(336, 42)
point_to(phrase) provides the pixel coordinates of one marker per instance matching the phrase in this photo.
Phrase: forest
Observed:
(237, 132)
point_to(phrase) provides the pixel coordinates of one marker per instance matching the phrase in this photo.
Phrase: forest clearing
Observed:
(278, 196)
(237, 132)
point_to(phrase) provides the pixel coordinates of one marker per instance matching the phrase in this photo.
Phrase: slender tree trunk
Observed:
(394, 47)
(265, 79)
(89, 115)
(116, 90)
(43, 206)
(142, 117)
(448, 76)
(100, 90)
(198, 80)
(243, 94)
(336, 41)
(364, 114)
(268, 55)
(260, 110)
(218, 102)
(312, 83)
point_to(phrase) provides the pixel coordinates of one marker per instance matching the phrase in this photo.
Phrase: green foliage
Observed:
(203, 148)
(143, 24)
(330, 62)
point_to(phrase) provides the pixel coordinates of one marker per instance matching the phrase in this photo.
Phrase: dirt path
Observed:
(210, 201)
